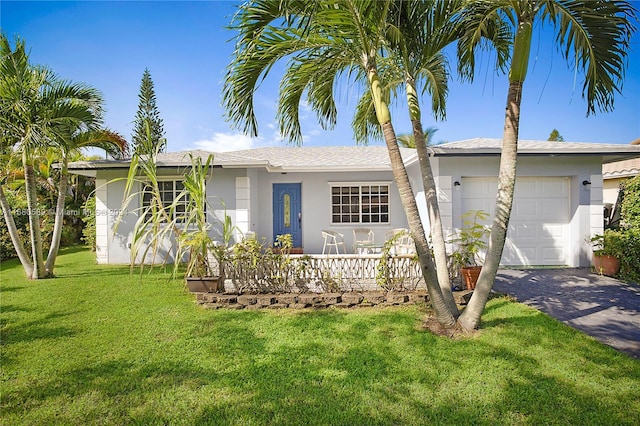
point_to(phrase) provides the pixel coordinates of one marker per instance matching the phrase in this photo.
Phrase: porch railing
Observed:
(323, 273)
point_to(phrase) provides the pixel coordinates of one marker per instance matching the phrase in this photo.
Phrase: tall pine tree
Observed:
(148, 113)
(555, 136)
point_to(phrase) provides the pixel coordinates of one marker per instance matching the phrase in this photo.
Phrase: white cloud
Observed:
(221, 142)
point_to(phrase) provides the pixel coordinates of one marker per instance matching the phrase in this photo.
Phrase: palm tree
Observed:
(594, 36)
(32, 102)
(325, 40)
(408, 140)
(417, 58)
(7, 175)
(421, 31)
(69, 141)
(394, 76)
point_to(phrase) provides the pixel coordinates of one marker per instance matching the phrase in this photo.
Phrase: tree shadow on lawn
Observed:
(40, 328)
(25, 332)
(372, 383)
(75, 272)
(113, 272)
(120, 390)
(5, 309)
(568, 294)
(4, 289)
(327, 367)
(9, 265)
(544, 331)
(603, 307)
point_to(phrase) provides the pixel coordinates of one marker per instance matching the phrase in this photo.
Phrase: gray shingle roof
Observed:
(354, 158)
(315, 158)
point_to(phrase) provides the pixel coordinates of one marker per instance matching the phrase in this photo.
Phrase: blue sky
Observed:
(186, 48)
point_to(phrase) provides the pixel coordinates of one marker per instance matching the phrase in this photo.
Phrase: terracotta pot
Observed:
(606, 265)
(205, 284)
(470, 276)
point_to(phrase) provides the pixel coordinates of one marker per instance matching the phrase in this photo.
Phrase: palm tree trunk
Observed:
(57, 226)
(15, 236)
(431, 197)
(435, 222)
(470, 317)
(34, 217)
(443, 314)
(440, 306)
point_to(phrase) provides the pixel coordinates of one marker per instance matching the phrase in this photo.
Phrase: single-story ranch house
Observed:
(305, 190)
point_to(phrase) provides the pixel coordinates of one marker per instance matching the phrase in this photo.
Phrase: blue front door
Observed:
(287, 211)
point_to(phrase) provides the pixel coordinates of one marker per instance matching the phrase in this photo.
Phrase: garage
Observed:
(539, 227)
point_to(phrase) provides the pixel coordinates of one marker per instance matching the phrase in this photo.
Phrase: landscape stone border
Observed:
(310, 300)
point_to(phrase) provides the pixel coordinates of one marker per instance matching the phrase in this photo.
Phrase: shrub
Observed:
(630, 206)
(610, 243)
(18, 203)
(89, 219)
(630, 257)
(630, 218)
(7, 251)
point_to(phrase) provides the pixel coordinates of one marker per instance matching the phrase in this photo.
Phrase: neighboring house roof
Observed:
(621, 169)
(370, 158)
(624, 168)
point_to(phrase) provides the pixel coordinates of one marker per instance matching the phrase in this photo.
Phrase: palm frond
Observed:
(594, 37)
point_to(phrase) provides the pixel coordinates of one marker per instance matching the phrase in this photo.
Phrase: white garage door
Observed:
(539, 225)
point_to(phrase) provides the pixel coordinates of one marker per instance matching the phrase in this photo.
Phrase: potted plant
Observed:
(469, 243)
(179, 223)
(608, 248)
(199, 275)
(195, 241)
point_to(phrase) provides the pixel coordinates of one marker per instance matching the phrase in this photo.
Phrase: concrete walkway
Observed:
(603, 307)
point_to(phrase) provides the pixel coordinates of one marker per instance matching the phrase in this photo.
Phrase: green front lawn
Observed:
(100, 346)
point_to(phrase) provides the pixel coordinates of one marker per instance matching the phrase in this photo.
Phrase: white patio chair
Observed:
(363, 240)
(402, 241)
(333, 239)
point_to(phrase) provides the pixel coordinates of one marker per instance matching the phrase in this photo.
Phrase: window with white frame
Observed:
(359, 203)
(169, 191)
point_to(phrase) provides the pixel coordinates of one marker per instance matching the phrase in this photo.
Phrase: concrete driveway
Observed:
(603, 307)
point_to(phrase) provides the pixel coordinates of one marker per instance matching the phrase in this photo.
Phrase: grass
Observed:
(100, 346)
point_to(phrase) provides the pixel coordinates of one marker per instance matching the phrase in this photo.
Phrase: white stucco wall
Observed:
(246, 196)
(114, 243)
(316, 206)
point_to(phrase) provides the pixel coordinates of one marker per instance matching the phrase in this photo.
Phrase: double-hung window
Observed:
(359, 203)
(169, 191)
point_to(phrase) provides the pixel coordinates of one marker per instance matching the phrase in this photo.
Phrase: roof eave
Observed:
(622, 174)
(336, 169)
(607, 157)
